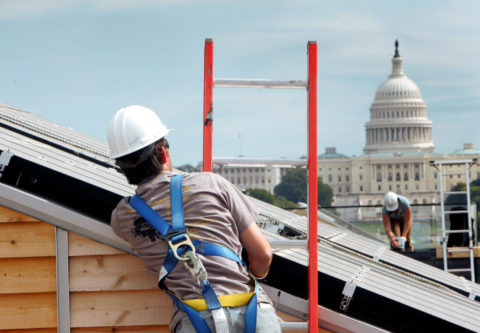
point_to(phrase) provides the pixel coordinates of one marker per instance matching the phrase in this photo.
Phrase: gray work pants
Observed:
(267, 320)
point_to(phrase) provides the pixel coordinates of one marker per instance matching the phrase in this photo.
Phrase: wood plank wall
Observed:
(27, 274)
(110, 291)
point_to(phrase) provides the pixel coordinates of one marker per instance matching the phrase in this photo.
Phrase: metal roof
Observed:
(348, 257)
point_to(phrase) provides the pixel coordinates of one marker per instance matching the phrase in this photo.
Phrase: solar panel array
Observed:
(365, 262)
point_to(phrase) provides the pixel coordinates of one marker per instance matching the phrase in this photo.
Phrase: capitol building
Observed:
(396, 157)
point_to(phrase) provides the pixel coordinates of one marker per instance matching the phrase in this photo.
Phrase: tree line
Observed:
(289, 192)
(292, 190)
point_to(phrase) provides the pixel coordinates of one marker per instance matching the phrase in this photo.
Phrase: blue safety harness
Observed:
(181, 248)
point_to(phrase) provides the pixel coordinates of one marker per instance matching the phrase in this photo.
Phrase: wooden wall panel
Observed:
(33, 311)
(35, 330)
(82, 246)
(110, 272)
(27, 275)
(8, 215)
(120, 308)
(27, 239)
(131, 329)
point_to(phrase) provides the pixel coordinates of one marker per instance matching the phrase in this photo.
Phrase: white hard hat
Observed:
(391, 201)
(133, 128)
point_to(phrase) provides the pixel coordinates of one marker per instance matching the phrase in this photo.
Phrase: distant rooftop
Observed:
(331, 152)
(468, 149)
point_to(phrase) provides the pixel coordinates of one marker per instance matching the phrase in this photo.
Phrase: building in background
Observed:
(396, 157)
(398, 151)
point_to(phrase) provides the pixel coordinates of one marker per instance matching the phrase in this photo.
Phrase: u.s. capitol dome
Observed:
(398, 116)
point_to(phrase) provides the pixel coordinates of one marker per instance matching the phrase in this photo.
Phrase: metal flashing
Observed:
(63, 280)
(60, 216)
(5, 157)
(328, 319)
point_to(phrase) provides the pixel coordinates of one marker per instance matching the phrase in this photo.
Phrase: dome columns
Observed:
(399, 135)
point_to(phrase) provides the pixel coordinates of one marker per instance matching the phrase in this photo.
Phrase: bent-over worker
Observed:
(397, 219)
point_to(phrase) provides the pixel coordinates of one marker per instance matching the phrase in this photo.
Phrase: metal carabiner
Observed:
(195, 267)
(185, 242)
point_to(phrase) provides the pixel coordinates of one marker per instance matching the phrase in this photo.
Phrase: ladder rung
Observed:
(455, 162)
(456, 192)
(258, 162)
(459, 250)
(456, 211)
(453, 270)
(459, 231)
(294, 326)
(288, 243)
(253, 83)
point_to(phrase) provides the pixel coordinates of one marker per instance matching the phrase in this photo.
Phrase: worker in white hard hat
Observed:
(198, 218)
(397, 219)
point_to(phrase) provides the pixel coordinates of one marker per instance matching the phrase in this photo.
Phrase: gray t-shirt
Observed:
(215, 211)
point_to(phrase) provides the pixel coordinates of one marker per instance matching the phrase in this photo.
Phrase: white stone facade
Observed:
(263, 177)
(364, 180)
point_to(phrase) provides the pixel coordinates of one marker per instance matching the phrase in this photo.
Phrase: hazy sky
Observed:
(76, 62)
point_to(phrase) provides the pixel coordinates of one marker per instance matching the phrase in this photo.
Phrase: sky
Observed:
(76, 62)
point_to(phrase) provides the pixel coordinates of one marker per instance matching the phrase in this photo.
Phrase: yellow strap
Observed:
(199, 304)
(233, 300)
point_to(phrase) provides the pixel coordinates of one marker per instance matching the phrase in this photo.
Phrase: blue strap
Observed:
(195, 317)
(210, 296)
(176, 203)
(149, 214)
(211, 249)
(251, 313)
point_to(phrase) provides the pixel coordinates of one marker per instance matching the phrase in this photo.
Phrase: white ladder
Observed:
(465, 165)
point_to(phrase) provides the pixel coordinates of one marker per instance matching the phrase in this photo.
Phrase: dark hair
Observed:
(143, 163)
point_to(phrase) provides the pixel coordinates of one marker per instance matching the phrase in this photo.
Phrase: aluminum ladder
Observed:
(443, 167)
(311, 86)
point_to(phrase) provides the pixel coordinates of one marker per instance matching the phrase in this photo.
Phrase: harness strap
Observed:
(176, 234)
(176, 203)
(149, 214)
(251, 312)
(195, 317)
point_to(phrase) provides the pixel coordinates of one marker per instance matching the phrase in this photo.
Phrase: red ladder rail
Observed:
(312, 190)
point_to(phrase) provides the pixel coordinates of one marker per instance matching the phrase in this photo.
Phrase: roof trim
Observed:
(60, 216)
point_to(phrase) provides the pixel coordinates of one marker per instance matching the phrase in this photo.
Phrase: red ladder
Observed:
(311, 86)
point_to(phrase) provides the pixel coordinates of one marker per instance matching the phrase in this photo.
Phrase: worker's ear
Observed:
(164, 155)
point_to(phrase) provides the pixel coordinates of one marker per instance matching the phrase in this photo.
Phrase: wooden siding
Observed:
(27, 274)
(109, 289)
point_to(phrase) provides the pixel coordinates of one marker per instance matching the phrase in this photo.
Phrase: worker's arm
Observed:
(258, 250)
(388, 230)
(407, 220)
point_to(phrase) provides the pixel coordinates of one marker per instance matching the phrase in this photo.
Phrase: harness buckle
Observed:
(194, 265)
(186, 241)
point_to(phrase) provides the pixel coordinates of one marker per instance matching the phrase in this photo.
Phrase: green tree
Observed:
(284, 203)
(261, 194)
(187, 168)
(325, 194)
(460, 198)
(293, 187)
(457, 198)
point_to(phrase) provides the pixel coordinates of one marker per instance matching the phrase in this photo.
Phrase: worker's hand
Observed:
(393, 242)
